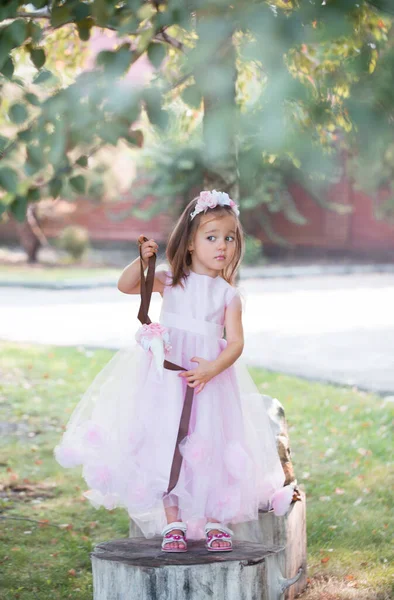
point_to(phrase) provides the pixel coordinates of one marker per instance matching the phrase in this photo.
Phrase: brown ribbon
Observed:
(146, 294)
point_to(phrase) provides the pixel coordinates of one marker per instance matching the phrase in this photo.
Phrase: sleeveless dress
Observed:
(124, 430)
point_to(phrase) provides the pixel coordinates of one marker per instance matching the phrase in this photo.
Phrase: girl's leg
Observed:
(172, 515)
(217, 543)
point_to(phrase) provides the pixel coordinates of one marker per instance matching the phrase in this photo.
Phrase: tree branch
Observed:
(163, 36)
(37, 14)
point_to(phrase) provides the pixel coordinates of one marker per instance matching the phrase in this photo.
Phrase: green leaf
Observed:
(111, 131)
(44, 76)
(18, 113)
(8, 68)
(18, 208)
(8, 179)
(32, 98)
(34, 32)
(3, 207)
(33, 194)
(8, 10)
(192, 96)
(84, 28)
(156, 53)
(26, 135)
(117, 62)
(17, 32)
(38, 57)
(81, 12)
(34, 160)
(82, 161)
(3, 143)
(55, 187)
(156, 115)
(58, 145)
(102, 12)
(61, 15)
(78, 183)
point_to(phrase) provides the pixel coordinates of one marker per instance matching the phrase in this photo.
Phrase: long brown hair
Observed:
(178, 255)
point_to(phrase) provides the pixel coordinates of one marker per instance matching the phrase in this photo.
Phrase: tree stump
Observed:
(136, 569)
(288, 532)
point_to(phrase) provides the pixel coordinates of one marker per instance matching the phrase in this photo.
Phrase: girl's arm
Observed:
(129, 281)
(206, 370)
(234, 336)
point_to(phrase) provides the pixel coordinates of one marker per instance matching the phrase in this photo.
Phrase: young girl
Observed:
(185, 445)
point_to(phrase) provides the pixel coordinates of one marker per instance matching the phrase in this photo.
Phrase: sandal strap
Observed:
(168, 539)
(218, 527)
(225, 537)
(175, 525)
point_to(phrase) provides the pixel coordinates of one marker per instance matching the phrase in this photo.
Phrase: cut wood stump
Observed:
(288, 532)
(136, 569)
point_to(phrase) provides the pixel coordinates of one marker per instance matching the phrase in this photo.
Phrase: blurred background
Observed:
(113, 115)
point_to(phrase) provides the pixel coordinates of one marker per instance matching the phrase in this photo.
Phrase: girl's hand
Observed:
(199, 377)
(148, 249)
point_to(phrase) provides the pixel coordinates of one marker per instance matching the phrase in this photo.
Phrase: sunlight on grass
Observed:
(341, 441)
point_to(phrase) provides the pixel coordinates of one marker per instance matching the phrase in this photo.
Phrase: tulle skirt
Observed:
(124, 430)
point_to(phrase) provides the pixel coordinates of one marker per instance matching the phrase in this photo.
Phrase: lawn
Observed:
(342, 448)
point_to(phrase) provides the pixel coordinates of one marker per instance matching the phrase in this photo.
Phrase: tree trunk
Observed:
(136, 569)
(31, 238)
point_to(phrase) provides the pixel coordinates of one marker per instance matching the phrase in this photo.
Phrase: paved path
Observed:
(334, 328)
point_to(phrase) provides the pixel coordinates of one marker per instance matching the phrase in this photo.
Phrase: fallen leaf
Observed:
(43, 522)
(349, 577)
(339, 491)
(325, 560)
(72, 572)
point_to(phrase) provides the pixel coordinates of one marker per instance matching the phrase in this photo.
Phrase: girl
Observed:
(184, 444)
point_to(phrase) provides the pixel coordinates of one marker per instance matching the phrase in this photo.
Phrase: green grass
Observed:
(38, 273)
(341, 442)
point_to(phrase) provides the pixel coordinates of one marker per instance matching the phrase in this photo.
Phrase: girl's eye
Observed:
(211, 238)
(230, 238)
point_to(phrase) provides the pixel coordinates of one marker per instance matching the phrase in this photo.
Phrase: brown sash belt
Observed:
(146, 293)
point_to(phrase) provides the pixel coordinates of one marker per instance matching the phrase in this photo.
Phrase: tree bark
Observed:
(31, 238)
(137, 570)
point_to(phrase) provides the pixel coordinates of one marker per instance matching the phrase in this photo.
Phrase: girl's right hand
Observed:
(148, 249)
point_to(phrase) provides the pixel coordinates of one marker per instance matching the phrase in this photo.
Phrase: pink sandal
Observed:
(170, 537)
(224, 535)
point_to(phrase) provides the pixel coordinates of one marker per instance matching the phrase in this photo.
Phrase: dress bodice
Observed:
(201, 298)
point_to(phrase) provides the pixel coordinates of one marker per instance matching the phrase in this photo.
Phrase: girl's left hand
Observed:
(197, 378)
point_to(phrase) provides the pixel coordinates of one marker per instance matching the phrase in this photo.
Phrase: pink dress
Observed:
(124, 430)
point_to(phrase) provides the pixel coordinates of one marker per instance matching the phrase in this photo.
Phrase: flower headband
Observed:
(211, 200)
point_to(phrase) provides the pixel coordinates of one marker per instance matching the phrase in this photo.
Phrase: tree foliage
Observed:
(265, 91)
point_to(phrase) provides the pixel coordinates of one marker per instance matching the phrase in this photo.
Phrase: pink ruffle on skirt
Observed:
(123, 433)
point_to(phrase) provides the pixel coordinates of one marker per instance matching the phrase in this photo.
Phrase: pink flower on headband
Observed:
(211, 200)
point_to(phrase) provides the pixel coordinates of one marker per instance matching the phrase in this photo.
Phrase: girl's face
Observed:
(214, 244)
